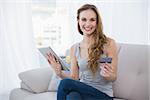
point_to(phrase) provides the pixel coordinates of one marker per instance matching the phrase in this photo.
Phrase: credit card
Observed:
(106, 59)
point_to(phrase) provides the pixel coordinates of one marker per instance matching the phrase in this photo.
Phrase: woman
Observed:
(89, 79)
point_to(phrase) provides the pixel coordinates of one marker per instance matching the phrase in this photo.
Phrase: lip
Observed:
(87, 29)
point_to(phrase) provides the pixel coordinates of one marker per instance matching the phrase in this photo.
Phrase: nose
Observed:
(88, 23)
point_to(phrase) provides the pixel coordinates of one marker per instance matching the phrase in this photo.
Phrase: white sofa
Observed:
(131, 83)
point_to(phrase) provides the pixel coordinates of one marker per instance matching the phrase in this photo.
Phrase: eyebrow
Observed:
(86, 18)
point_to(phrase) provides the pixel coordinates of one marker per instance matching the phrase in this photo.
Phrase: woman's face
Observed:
(87, 22)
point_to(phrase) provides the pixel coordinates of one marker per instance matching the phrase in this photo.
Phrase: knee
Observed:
(64, 83)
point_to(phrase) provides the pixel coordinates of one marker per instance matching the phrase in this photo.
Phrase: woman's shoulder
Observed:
(74, 47)
(111, 42)
(110, 45)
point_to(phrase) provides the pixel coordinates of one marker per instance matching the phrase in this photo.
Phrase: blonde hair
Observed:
(96, 48)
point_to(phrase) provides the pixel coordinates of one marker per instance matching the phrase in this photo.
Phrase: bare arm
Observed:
(74, 72)
(74, 65)
(110, 70)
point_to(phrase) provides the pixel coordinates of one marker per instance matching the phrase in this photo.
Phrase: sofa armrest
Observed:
(36, 80)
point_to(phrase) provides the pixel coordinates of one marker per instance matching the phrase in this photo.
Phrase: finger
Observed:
(49, 61)
(49, 56)
(105, 70)
(108, 67)
(105, 74)
(108, 70)
(53, 58)
(57, 62)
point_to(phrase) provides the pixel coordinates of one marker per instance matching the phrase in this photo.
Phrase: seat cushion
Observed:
(42, 96)
(21, 94)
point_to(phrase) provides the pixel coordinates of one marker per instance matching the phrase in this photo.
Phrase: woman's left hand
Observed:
(106, 70)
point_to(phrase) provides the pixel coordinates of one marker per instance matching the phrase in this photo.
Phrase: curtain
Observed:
(17, 47)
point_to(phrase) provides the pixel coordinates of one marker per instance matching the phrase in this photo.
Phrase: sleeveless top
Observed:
(86, 76)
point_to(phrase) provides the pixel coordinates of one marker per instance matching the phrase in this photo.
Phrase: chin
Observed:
(89, 33)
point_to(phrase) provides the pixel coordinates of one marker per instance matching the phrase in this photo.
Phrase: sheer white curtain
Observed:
(17, 48)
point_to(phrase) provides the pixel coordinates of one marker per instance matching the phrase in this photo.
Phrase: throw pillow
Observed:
(31, 79)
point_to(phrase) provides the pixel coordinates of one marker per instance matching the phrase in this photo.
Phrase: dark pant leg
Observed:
(74, 96)
(88, 97)
(68, 85)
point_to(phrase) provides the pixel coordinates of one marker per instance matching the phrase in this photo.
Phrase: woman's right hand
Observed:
(54, 64)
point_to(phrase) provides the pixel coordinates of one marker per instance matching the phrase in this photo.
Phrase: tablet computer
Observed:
(46, 50)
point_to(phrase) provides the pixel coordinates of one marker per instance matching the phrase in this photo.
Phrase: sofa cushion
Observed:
(32, 79)
(19, 94)
(132, 77)
(42, 96)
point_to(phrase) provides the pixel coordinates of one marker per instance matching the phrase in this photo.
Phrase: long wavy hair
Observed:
(96, 48)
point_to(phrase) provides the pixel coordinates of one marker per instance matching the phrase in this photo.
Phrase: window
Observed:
(51, 25)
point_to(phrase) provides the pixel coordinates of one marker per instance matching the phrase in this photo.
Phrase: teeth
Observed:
(87, 28)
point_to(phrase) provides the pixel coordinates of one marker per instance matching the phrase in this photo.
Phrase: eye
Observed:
(93, 19)
(83, 19)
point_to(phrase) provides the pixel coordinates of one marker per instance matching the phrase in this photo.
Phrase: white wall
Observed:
(130, 23)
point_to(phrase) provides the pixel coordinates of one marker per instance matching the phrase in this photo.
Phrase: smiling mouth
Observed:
(88, 29)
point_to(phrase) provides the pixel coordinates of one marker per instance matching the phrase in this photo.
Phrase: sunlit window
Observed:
(54, 25)
(51, 25)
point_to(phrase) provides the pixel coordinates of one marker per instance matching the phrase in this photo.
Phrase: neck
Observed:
(87, 41)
